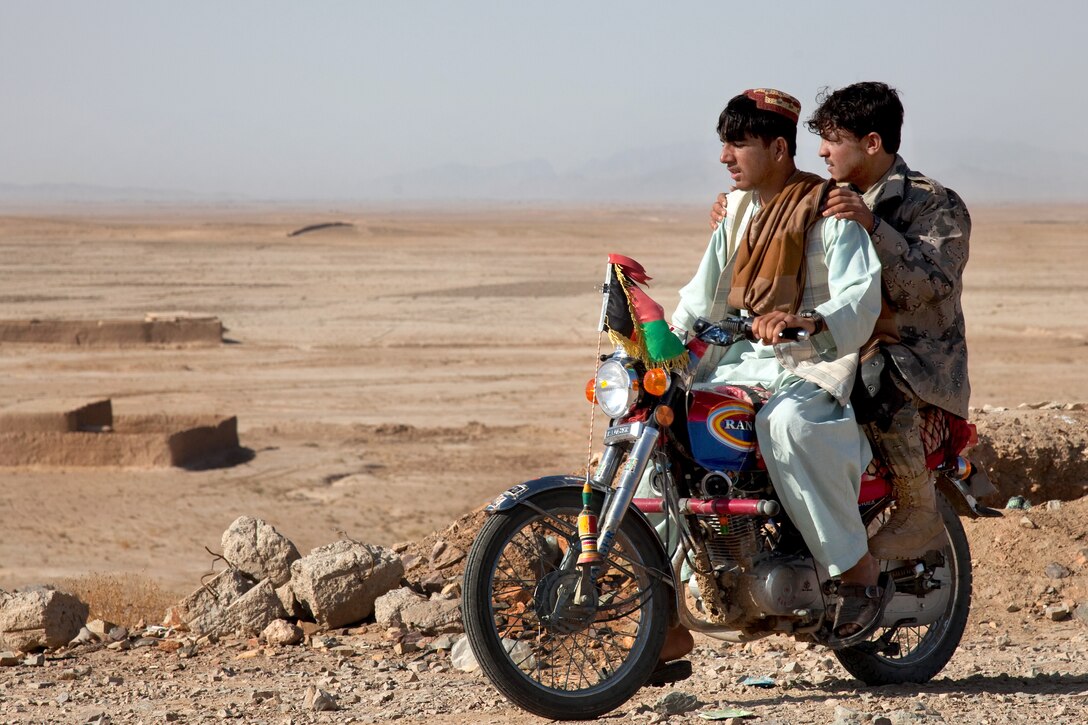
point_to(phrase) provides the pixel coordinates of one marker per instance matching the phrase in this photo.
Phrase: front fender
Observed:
(514, 495)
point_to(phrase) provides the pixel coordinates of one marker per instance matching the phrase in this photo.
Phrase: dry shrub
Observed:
(121, 598)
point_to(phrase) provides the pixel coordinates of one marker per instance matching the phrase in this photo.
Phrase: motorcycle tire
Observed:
(570, 665)
(922, 651)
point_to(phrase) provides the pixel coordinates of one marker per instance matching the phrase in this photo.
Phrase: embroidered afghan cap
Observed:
(768, 99)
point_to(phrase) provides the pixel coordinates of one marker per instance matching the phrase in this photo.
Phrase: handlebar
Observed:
(726, 331)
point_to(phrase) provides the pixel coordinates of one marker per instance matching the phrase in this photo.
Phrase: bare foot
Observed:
(865, 572)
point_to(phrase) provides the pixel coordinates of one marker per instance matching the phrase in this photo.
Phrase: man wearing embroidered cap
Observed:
(768, 99)
(781, 262)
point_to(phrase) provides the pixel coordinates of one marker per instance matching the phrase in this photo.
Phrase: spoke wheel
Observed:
(543, 647)
(917, 653)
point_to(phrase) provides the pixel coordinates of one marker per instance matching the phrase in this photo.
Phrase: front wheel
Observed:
(540, 649)
(917, 653)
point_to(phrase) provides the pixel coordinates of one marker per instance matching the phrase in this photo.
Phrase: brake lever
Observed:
(712, 333)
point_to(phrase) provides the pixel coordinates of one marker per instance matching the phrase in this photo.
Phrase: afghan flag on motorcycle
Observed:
(636, 322)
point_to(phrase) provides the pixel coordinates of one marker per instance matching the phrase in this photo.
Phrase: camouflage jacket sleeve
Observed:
(923, 246)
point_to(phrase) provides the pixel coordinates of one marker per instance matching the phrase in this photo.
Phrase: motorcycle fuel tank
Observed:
(722, 428)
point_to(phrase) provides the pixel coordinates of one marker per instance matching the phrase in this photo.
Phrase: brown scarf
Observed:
(769, 272)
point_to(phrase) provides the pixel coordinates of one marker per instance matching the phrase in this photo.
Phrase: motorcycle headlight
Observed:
(616, 387)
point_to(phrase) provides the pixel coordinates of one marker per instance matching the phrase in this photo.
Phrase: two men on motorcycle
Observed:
(780, 260)
(921, 232)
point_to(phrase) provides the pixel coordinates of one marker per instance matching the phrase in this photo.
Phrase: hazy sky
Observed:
(316, 99)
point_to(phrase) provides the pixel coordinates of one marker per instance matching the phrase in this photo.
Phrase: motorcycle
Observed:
(567, 618)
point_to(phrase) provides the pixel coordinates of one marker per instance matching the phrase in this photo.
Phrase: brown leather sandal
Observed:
(859, 611)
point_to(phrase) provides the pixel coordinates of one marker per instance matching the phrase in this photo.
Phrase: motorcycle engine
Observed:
(776, 588)
(731, 540)
(784, 587)
(740, 551)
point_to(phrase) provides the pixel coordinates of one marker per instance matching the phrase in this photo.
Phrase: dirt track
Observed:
(390, 376)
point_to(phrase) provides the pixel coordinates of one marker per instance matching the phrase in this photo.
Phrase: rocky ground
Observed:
(1021, 660)
(1004, 672)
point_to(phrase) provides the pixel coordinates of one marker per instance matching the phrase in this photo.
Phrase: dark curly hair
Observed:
(741, 118)
(861, 108)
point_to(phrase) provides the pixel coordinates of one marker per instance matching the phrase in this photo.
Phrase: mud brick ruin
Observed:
(87, 433)
(170, 329)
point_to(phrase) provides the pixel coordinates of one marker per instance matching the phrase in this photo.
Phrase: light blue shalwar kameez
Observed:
(814, 450)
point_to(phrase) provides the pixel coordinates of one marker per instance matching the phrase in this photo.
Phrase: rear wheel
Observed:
(896, 655)
(543, 652)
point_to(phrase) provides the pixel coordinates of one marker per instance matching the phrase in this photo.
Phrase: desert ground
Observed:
(391, 375)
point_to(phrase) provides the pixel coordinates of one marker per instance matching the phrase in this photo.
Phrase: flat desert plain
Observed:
(391, 375)
(394, 373)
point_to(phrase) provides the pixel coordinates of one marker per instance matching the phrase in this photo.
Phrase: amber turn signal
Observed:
(591, 390)
(655, 381)
(664, 416)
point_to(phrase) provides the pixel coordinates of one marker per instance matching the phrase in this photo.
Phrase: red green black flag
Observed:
(634, 320)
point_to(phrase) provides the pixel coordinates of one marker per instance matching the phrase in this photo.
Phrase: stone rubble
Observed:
(253, 611)
(205, 610)
(387, 607)
(406, 660)
(357, 677)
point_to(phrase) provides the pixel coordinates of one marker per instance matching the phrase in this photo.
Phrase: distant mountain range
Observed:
(989, 171)
(981, 172)
(664, 174)
(90, 193)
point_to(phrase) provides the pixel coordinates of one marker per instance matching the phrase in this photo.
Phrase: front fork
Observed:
(615, 506)
(597, 542)
(624, 493)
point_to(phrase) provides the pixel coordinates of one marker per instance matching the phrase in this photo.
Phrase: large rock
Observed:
(433, 616)
(388, 606)
(204, 610)
(259, 550)
(339, 582)
(254, 610)
(39, 618)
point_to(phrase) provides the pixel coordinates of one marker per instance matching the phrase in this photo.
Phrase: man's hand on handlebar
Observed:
(768, 328)
(731, 329)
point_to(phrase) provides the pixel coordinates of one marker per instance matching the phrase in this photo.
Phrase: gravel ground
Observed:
(999, 675)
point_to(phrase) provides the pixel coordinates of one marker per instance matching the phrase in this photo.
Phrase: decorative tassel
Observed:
(587, 531)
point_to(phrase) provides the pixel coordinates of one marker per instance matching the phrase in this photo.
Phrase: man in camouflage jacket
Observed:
(920, 231)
